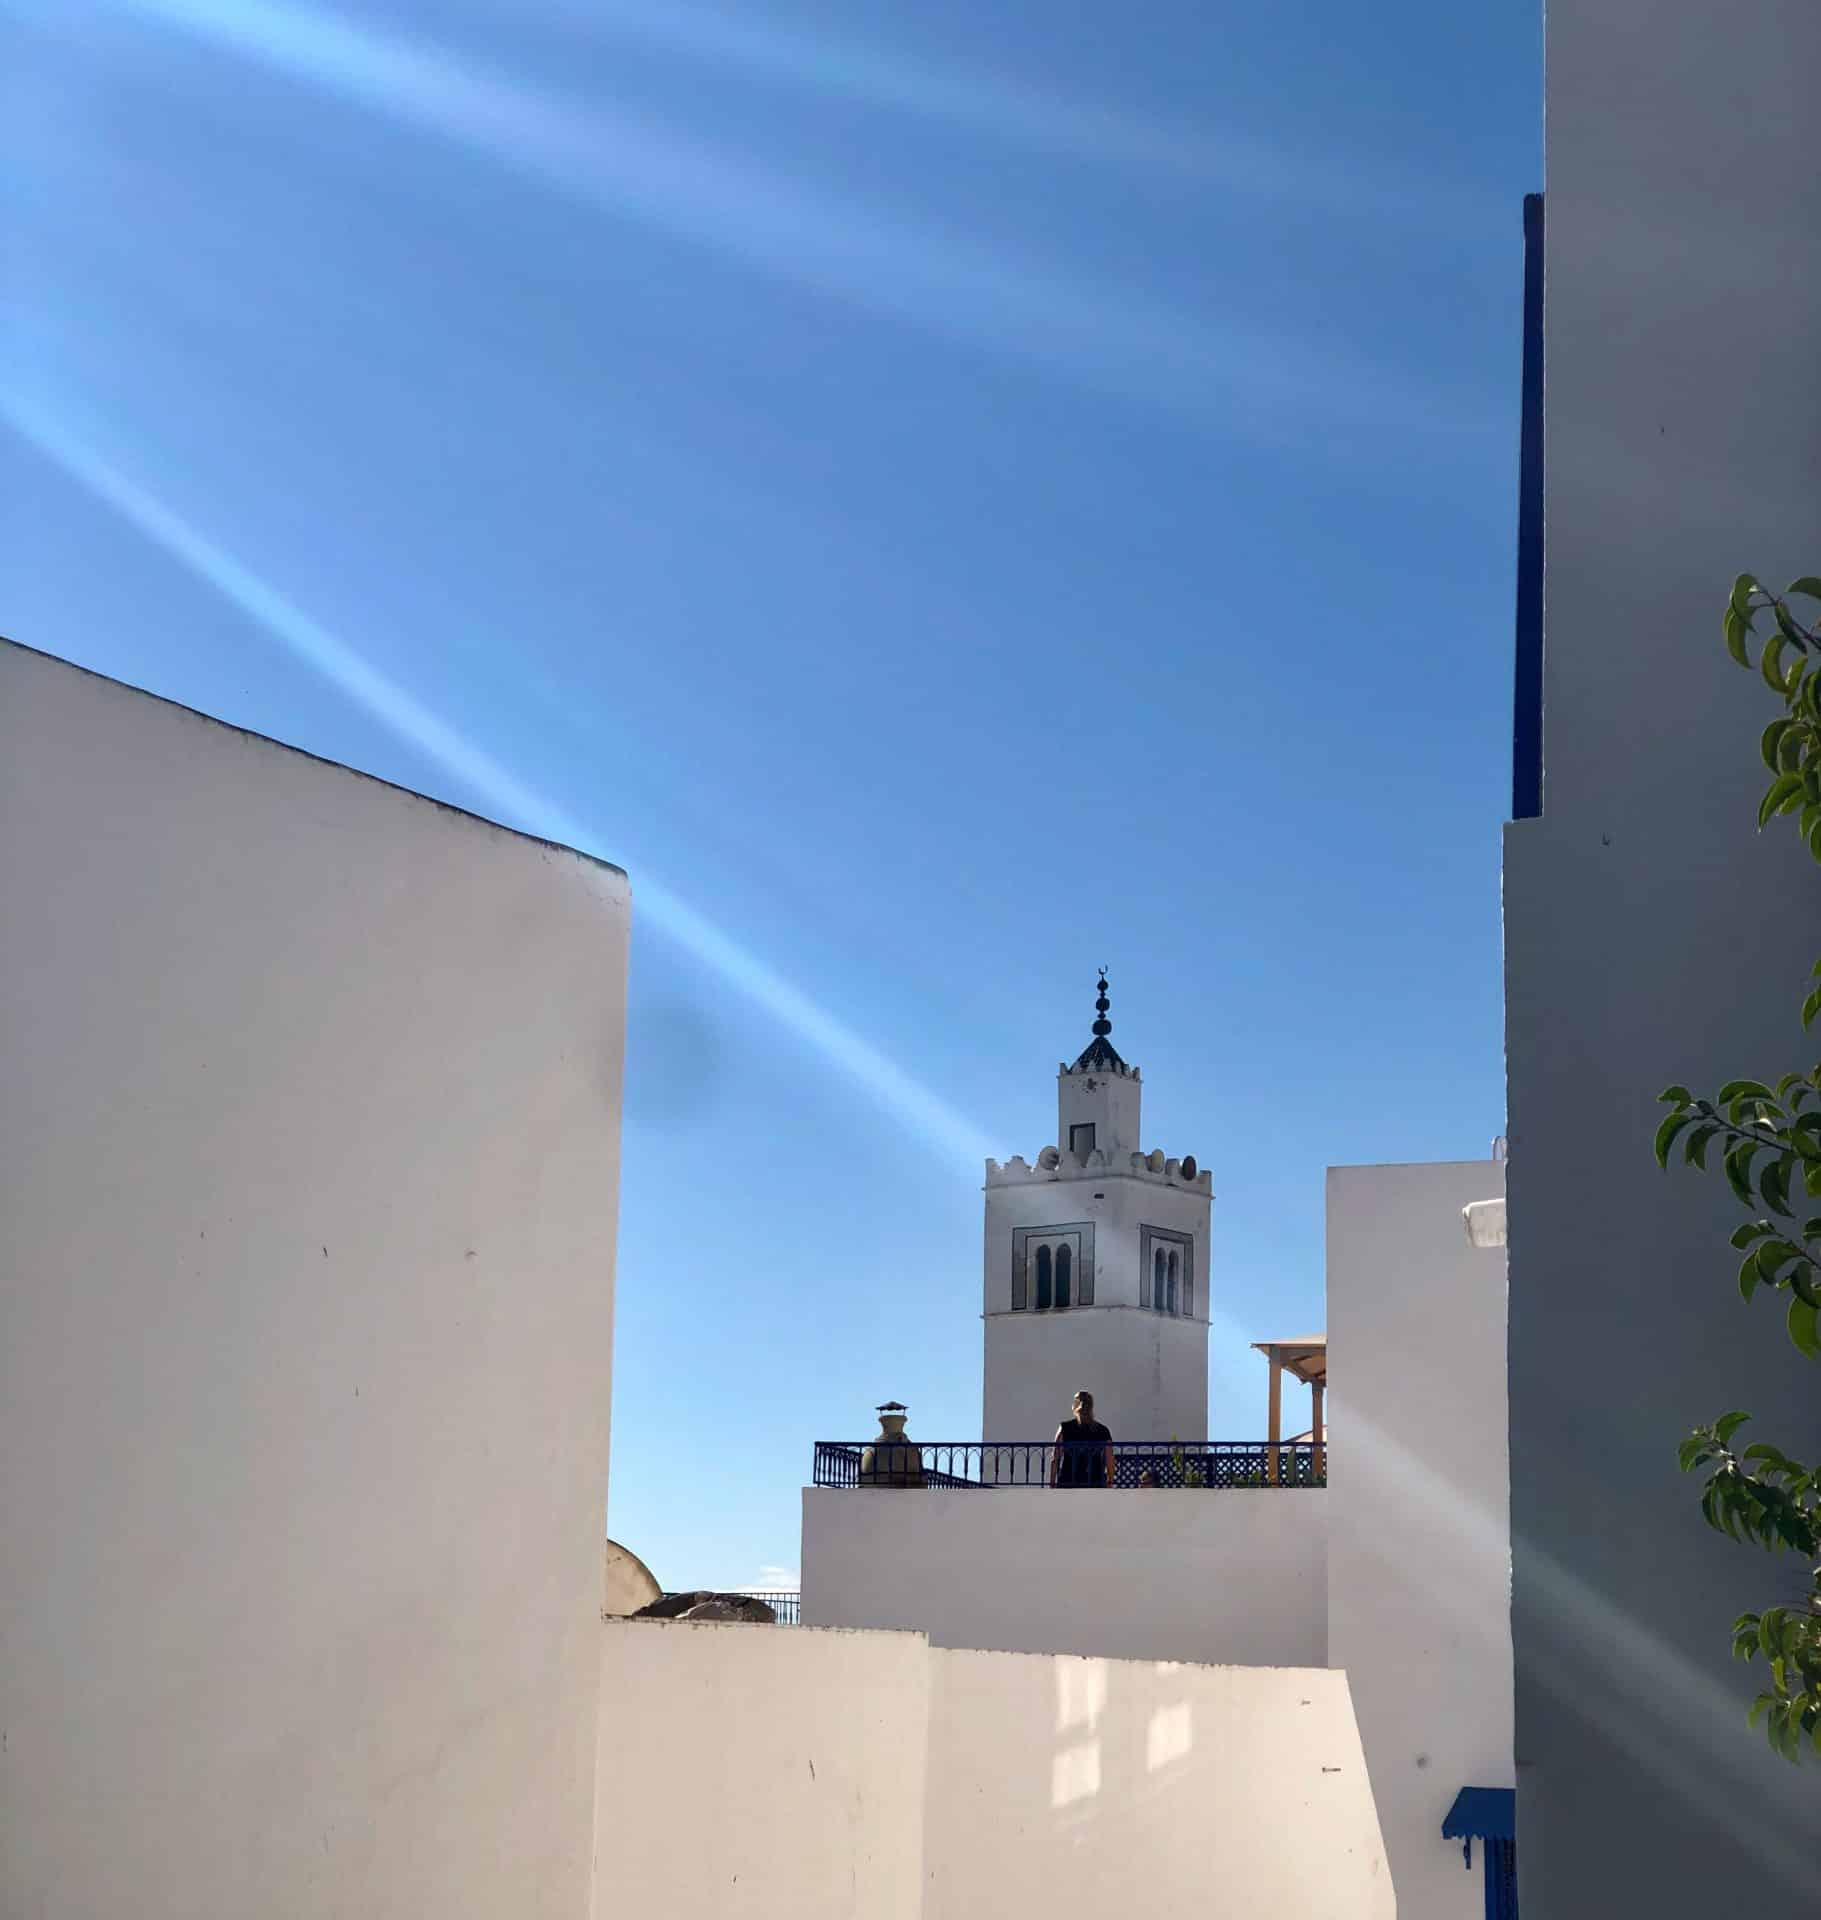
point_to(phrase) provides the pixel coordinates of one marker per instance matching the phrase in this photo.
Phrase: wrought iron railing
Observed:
(1137, 1464)
(786, 1603)
(788, 1606)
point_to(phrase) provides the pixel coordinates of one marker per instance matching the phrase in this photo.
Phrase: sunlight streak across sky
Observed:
(910, 1103)
(937, 278)
(1008, 111)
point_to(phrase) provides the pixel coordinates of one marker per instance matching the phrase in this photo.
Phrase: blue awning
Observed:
(1482, 1813)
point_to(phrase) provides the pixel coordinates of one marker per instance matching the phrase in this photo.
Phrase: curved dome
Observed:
(628, 1584)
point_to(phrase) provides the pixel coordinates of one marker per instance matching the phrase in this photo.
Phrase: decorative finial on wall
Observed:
(1103, 1026)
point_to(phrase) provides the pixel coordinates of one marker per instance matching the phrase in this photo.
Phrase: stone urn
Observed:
(892, 1460)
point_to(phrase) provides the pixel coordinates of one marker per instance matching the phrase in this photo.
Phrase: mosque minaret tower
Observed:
(1097, 1268)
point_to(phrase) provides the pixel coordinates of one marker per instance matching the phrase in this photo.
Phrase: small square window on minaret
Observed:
(1081, 1140)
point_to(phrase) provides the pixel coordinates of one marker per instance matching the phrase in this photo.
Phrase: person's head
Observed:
(1084, 1405)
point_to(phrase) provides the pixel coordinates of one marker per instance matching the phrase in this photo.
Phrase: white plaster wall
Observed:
(749, 1773)
(308, 1168)
(1148, 1372)
(1218, 1576)
(1111, 1103)
(815, 1775)
(1419, 1540)
(1110, 1787)
(1652, 935)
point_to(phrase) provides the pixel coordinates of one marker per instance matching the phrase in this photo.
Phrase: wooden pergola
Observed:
(1305, 1360)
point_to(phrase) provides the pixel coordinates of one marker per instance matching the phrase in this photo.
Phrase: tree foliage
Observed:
(1765, 1138)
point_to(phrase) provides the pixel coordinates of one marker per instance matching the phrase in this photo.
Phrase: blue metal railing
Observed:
(1032, 1463)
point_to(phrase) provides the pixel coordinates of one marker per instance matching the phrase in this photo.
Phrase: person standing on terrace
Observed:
(1083, 1452)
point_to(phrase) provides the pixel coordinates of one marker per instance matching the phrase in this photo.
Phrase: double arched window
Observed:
(1055, 1276)
(1168, 1294)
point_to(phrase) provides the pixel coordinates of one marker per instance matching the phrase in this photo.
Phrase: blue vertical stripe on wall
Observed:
(1527, 716)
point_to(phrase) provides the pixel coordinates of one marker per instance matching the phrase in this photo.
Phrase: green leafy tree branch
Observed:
(1766, 1139)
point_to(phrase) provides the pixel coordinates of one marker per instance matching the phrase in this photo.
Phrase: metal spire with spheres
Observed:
(1099, 1055)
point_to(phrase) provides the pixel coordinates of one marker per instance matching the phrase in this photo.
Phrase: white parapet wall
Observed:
(829, 1775)
(754, 1773)
(1147, 1788)
(1224, 1576)
(1419, 1555)
(309, 1159)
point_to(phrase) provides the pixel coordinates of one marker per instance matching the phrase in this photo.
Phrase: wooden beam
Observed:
(1274, 1422)
(1316, 1436)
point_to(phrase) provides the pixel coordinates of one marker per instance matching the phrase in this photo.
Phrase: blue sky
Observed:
(946, 495)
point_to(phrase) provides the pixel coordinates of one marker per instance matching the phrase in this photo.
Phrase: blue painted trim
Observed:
(1527, 714)
(1482, 1813)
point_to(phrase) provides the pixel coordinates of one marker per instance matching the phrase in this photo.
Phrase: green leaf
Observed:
(1694, 1150)
(1770, 663)
(1736, 627)
(1809, 586)
(1743, 1089)
(1773, 1184)
(1810, 1007)
(1805, 1327)
(1782, 792)
(1673, 1123)
(1728, 1424)
(1788, 625)
(1752, 1230)
(1771, 739)
(1750, 1274)
(1742, 590)
(1738, 1171)
(1680, 1095)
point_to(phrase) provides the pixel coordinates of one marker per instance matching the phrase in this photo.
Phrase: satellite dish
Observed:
(1189, 1168)
(1049, 1159)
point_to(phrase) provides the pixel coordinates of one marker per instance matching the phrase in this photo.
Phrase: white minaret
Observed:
(1097, 1269)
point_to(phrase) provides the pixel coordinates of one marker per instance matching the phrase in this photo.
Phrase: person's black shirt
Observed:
(1084, 1446)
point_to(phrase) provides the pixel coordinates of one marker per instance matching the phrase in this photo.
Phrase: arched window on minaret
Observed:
(1157, 1280)
(1173, 1270)
(1044, 1288)
(1065, 1262)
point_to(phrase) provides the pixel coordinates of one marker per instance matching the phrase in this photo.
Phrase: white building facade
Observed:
(1096, 1268)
